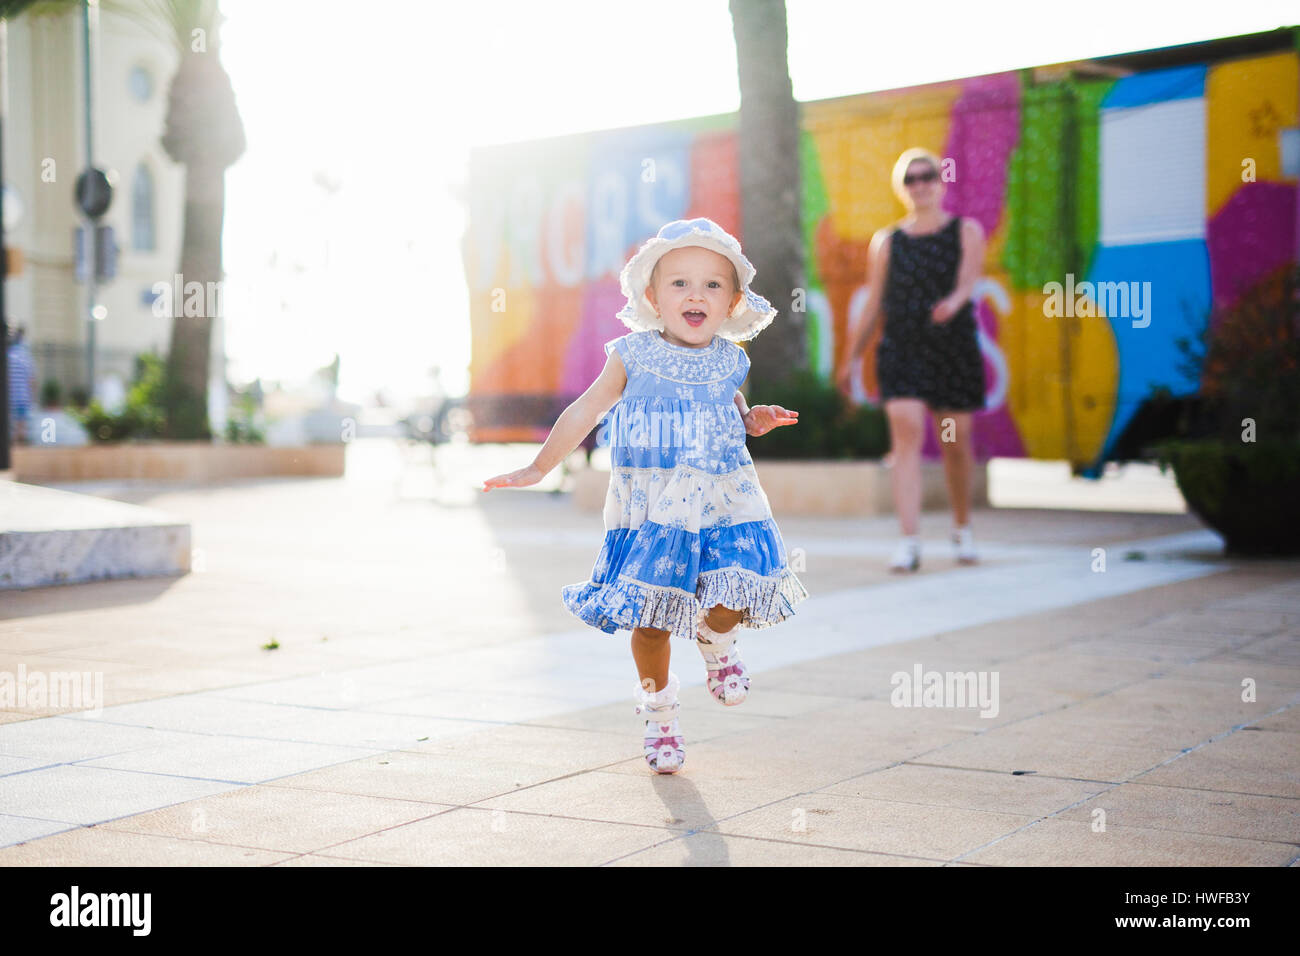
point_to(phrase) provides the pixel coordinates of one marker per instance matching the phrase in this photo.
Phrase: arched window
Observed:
(142, 232)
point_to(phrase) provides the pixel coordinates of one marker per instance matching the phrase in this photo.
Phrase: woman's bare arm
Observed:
(972, 262)
(877, 270)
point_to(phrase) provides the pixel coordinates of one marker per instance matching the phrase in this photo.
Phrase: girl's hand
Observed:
(515, 479)
(944, 310)
(763, 418)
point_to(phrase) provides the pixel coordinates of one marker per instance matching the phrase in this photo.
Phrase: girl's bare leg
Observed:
(906, 435)
(651, 652)
(722, 618)
(958, 463)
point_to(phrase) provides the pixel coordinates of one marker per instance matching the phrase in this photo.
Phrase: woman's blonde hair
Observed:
(908, 157)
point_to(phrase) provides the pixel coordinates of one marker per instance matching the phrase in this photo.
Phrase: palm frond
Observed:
(10, 9)
(172, 21)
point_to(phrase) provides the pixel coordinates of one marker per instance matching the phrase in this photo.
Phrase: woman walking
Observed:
(928, 357)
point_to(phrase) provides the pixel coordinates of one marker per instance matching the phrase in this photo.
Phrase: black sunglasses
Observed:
(928, 176)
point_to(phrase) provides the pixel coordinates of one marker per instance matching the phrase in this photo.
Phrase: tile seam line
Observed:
(1110, 784)
(198, 733)
(762, 839)
(473, 806)
(1130, 779)
(289, 854)
(1106, 789)
(1107, 785)
(380, 750)
(353, 745)
(446, 808)
(1230, 793)
(272, 782)
(107, 823)
(69, 715)
(1206, 569)
(792, 796)
(350, 859)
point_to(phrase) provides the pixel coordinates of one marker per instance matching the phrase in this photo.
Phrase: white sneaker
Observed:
(963, 541)
(907, 556)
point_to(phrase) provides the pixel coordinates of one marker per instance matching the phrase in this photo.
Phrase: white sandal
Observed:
(664, 746)
(728, 680)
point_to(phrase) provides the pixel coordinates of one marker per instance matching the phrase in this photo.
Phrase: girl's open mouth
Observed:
(694, 317)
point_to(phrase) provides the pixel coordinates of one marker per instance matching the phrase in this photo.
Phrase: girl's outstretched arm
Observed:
(573, 425)
(761, 419)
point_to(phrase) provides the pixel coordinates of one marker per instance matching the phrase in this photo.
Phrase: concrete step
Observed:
(48, 536)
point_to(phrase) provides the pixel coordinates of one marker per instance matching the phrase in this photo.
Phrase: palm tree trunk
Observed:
(189, 358)
(204, 133)
(771, 225)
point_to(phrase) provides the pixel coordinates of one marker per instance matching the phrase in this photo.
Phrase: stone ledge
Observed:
(49, 536)
(817, 487)
(175, 461)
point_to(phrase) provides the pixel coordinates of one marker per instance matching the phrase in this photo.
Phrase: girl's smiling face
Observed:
(694, 289)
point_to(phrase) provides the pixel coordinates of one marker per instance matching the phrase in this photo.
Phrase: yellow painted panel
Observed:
(1246, 103)
(1032, 345)
(1094, 380)
(858, 144)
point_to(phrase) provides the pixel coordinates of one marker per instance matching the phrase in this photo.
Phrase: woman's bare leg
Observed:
(906, 435)
(651, 652)
(958, 462)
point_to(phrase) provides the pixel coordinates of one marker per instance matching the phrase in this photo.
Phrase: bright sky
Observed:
(383, 101)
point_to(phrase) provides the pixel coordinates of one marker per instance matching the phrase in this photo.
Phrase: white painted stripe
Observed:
(1152, 172)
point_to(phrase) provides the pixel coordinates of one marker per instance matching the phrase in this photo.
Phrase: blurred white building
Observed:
(45, 151)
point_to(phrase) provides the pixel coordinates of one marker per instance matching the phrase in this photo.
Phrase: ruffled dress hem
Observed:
(627, 603)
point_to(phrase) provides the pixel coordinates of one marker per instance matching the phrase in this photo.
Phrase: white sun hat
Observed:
(752, 313)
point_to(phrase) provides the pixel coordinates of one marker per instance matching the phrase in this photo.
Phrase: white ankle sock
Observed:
(710, 636)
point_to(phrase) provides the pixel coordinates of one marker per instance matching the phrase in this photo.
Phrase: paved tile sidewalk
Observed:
(423, 710)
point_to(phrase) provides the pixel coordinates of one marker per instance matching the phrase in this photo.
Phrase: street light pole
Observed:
(89, 224)
(5, 438)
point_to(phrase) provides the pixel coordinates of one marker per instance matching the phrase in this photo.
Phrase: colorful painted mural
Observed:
(1118, 211)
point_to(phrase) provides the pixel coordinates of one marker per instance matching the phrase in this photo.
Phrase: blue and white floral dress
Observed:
(687, 525)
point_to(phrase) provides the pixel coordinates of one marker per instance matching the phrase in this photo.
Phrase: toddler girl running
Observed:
(691, 547)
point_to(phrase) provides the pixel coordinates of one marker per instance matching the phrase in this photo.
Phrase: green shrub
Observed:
(51, 393)
(1244, 490)
(1236, 445)
(1248, 364)
(144, 413)
(829, 425)
(241, 425)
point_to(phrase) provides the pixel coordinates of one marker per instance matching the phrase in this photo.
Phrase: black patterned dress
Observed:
(938, 362)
